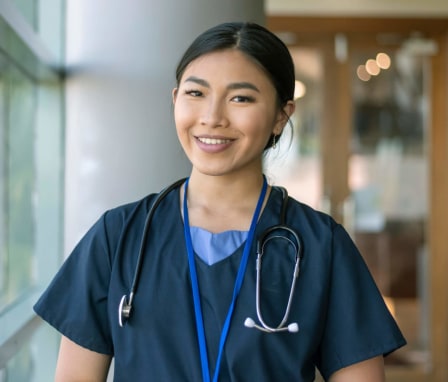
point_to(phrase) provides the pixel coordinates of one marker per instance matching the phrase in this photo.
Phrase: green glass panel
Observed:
(18, 183)
(28, 9)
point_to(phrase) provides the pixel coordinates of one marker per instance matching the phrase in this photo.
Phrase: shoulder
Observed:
(322, 237)
(299, 213)
(123, 214)
(128, 220)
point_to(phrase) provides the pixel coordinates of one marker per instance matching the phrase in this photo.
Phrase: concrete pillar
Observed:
(121, 56)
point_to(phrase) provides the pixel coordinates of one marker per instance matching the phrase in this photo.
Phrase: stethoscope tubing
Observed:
(264, 239)
(126, 303)
(125, 306)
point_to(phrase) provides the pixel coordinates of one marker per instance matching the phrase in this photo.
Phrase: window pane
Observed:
(46, 18)
(19, 368)
(36, 359)
(31, 179)
(17, 185)
(28, 9)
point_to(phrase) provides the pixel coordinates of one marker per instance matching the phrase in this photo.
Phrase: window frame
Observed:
(26, 49)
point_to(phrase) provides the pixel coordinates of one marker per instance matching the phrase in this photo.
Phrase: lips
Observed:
(213, 145)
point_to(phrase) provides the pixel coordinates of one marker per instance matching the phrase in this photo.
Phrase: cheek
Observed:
(258, 124)
(182, 118)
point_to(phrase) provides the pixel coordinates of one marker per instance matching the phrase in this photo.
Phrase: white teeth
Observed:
(214, 141)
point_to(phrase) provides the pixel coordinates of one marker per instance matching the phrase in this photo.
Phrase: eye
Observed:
(193, 93)
(243, 99)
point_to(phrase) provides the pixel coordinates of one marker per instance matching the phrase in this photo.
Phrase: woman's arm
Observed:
(76, 364)
(371, 370)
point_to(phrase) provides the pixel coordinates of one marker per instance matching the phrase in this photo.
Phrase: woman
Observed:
(197, 285)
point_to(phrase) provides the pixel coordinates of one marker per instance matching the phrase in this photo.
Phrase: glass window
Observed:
(28, 9)
(19, 367)
(18, 184)
(31, 182)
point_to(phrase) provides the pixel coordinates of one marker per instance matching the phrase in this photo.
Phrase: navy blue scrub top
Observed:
(340, 312)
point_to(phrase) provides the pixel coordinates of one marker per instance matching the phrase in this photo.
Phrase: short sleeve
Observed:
(75, 302)
(358, 325)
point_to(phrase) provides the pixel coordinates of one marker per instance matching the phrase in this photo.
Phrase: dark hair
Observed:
(256, 42)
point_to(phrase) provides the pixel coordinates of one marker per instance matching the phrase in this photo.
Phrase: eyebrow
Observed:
(232, 86)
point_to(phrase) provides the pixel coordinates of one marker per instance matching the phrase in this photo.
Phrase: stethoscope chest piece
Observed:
(124, 311)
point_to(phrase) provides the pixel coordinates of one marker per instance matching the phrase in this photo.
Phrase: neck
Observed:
(228, 191)
(218, 203)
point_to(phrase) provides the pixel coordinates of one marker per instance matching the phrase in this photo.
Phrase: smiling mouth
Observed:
(214, 141)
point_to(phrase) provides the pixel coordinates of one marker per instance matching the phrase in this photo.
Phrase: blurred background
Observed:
(86, 124)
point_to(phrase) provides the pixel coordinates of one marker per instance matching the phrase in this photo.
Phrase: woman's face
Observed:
(225, 111)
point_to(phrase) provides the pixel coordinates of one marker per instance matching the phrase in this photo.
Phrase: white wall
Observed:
(418, 8)
(120, 138)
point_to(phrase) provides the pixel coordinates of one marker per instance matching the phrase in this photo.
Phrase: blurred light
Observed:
(362, 73)
(417, 45)
(383, 60)
(299, 90)
(341, 47)
(372, 67)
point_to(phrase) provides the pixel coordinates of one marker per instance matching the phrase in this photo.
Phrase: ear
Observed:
(174, 94)
(283, 116)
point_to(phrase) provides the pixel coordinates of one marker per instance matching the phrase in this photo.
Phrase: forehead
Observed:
(229, 64)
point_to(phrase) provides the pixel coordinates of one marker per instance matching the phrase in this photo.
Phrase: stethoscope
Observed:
(296, 244)
(126, 302)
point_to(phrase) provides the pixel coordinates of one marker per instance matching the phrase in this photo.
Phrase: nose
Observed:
(213, 113)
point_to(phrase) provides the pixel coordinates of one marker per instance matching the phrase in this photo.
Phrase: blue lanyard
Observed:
(236, 288)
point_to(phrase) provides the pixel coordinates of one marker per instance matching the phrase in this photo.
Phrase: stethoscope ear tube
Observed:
(125, 305)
